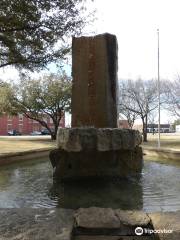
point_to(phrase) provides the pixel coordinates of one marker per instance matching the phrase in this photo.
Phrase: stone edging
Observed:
(86, 224)
(8, 158)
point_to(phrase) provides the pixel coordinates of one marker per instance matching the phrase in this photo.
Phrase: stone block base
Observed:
(107, 224)
(120, 163)
(97, 139)
(96, 152)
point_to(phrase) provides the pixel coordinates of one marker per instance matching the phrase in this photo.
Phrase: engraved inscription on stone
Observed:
(94, 71)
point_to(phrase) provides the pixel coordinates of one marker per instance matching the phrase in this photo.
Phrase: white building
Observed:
(177, 128)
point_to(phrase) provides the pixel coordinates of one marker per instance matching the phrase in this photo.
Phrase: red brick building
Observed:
(23, 124)
(123, 124)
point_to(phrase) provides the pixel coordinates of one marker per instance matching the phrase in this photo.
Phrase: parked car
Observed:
(35, 133)
(14, 133)
(45, 132)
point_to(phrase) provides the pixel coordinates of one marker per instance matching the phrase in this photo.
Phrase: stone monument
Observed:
(94, 71)
(94, 146)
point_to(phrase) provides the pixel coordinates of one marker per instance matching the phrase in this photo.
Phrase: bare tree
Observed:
(138, 97)
(130, 115)
(172, 96)
(151, 120)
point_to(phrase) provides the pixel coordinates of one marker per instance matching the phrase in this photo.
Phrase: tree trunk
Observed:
(53, 136)
(146, 121)
(144, 129)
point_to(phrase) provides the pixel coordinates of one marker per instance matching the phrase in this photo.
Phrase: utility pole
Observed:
(158, 88)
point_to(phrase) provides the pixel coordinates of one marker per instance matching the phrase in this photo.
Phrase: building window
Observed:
(9, 127)
(20, 117)
(9, 118)
(36, 128)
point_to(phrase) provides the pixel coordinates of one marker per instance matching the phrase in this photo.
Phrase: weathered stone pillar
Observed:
(94, 70)
(94, 147)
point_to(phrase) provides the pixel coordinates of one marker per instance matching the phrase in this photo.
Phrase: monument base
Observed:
(93, 152)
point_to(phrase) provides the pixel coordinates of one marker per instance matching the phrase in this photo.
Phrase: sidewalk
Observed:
(87, 224)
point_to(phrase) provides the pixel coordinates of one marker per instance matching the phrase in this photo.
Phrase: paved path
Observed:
(86, 224)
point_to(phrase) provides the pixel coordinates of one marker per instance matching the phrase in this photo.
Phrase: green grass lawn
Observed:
(168, 140)
(11, 144)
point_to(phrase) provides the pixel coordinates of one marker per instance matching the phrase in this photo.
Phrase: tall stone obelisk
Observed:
(94, 146)
(94, 72)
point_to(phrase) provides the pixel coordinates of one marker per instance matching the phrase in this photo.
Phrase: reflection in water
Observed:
(30, 185)
(114, 193)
